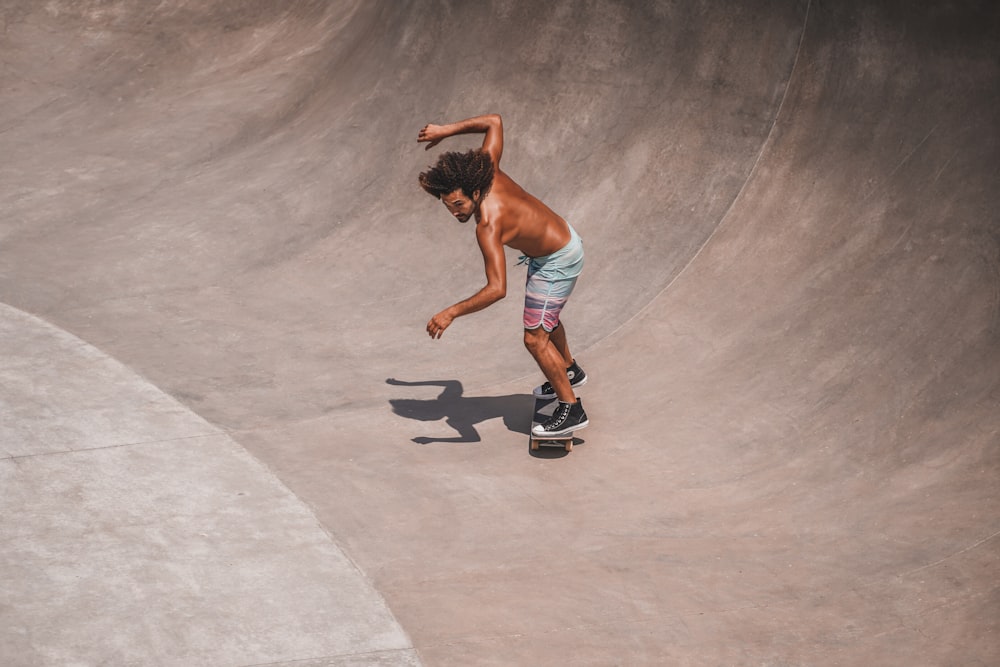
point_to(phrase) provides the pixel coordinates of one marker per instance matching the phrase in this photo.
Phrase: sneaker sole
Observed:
(552, 395)
(558, 434)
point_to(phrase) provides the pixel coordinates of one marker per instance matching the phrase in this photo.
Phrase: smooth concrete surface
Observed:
(135, 533)
(790, 311)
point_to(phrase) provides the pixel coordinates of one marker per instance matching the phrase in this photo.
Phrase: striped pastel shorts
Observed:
(551, 280)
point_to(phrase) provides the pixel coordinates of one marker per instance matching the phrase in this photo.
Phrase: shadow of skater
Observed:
(462, 413)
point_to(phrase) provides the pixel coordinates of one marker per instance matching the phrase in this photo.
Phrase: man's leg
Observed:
(558, 338)
(551, 361)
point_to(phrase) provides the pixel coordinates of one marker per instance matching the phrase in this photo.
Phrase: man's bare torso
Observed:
(524, 222)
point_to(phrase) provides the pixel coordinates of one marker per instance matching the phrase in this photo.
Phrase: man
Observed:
(472, 185)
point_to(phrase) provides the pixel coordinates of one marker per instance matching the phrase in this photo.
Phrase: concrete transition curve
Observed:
(136, 533)
(790, 316)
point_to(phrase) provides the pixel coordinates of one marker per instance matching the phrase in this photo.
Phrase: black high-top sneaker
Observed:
(566, 418)
(577, 378)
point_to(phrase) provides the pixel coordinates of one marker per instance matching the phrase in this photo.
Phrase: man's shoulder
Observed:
(502, 195)
(488, 224)
(503, 183)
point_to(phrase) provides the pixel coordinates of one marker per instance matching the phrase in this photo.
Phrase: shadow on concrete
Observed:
(460, 412)
(545, 452)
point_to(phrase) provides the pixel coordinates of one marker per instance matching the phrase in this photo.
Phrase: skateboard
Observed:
(543, 410)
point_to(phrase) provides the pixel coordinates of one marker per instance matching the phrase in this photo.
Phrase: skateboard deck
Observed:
(543, 410)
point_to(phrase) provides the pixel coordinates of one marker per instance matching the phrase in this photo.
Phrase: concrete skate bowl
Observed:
(790, 316)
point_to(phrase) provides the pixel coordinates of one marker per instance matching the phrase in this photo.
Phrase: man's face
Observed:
(459, 205)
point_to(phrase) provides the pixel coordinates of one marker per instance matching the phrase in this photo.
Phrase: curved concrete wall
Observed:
(789, 312)
(262, 166)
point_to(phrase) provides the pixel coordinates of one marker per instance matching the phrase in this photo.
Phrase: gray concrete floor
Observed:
(226, 439)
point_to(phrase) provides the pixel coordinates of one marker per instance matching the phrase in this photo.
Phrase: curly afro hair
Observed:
(467, 172)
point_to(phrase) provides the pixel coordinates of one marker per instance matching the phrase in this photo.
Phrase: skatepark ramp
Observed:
(227, 439)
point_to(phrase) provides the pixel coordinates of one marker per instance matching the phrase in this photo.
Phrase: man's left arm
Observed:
(490, 124)
(496, 282)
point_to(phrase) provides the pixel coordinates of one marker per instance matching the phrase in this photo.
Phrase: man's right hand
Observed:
(438, 323)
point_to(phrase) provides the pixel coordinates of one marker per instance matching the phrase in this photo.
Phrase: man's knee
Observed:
(536, 339)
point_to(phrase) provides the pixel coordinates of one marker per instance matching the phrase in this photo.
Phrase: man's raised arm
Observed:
(490, 124)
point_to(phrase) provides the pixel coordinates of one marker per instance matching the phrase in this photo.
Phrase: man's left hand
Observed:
(433, 134)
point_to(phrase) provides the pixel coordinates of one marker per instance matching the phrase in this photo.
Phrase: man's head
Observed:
(460, 180)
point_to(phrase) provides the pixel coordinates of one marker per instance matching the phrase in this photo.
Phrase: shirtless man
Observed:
(472, 185)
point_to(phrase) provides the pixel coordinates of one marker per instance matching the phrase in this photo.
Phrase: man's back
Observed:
(525, 223)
